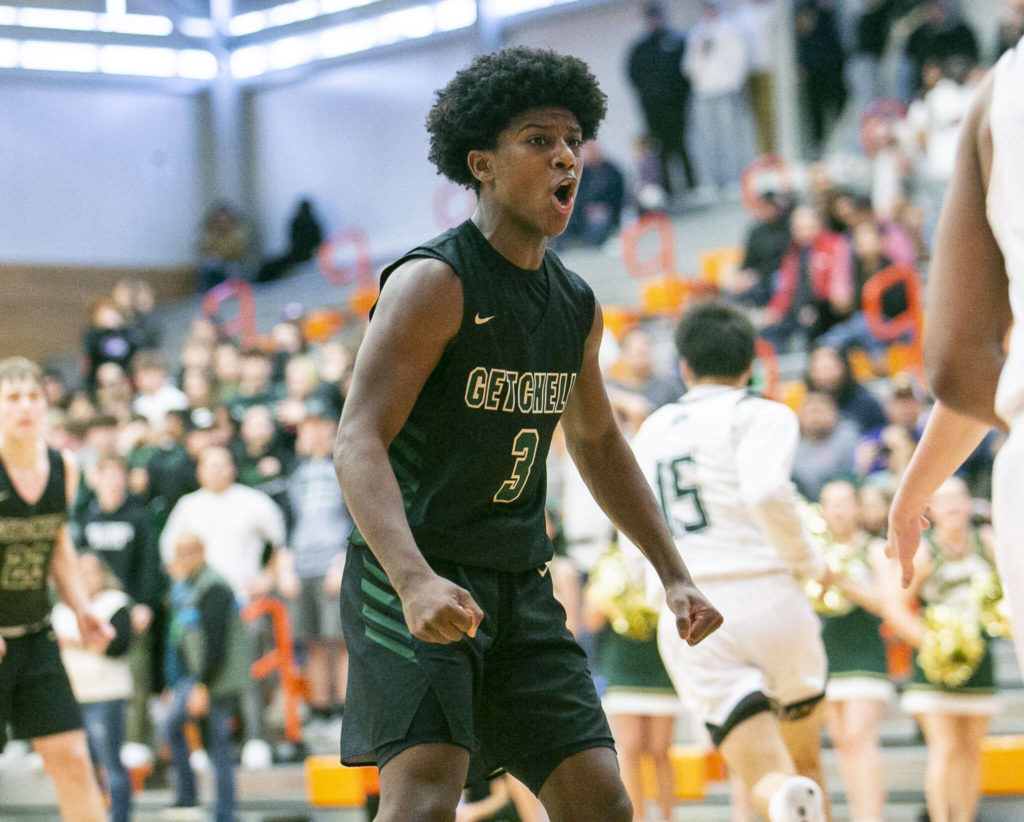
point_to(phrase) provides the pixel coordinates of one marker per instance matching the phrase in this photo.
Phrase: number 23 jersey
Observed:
(28, 535)
(719, 461)
(470, 459)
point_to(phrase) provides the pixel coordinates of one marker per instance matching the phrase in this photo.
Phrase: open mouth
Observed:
(564, 196)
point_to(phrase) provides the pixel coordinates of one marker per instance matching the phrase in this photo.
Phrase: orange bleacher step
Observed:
(693, 767)
(1002, 764)
(329, 784)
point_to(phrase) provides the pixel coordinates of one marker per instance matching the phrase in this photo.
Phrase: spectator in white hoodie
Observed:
(717, 62)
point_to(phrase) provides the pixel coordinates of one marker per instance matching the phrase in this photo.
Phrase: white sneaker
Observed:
(256, 755)
(799, 799)
(199, 761)
(136, 755)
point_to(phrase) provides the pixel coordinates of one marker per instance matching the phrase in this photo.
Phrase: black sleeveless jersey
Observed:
(470, 459)
(28, 535)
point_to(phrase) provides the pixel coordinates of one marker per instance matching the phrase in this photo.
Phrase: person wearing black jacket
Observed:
(118, 529)
(655, 70)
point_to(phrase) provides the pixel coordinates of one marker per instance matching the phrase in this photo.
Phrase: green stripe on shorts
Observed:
(379, 594)
(390, 644)
(385, 621)
(377, 572)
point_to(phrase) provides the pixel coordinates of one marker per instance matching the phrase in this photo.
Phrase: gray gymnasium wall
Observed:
(97, 175)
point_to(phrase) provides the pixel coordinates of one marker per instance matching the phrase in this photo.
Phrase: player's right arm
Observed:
(764, 461)
(968, 308)
(418, 313)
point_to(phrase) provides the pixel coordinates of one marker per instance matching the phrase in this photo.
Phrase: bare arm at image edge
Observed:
(968, 307)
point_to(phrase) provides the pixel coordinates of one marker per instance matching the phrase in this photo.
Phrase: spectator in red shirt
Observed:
(814, 286)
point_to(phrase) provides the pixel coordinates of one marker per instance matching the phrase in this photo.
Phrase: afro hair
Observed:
(483, 98)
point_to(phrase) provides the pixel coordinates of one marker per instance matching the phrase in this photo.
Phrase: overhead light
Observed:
(509, 8)
(37, 54)
(292, 12)
(57, 19)
(333, 6)
(197, 64)
(450, 15)
(348, 39)
(407, 24)
(250, 61)
(199, 27)
(140, 61)
(8, 53)
(248, 23)
(291, 51)
(8, 16)
(136, 24)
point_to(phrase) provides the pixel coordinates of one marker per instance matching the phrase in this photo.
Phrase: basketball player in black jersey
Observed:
(35, 695)
(479, 344)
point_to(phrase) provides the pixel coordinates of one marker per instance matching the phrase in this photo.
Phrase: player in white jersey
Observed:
(719, 461)
(975, 294)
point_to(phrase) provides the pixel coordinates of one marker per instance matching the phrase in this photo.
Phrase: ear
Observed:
(686, 373)
(481, 165)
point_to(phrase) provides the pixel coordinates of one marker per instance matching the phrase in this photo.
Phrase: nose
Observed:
(565, 157)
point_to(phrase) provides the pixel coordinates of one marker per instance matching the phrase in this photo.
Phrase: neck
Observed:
(727, 382)
(517, 244)
(844, 536)
(110, 502)
(21, 452)
(952, 536)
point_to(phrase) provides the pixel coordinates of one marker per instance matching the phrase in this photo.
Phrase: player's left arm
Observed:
(96, 633)
(968, 307)
(607, 465)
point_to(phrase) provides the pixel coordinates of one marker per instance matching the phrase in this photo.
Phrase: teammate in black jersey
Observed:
(35, 695)
(480, 343)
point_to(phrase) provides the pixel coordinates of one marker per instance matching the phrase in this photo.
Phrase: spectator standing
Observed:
(871, 38)
(826, 448)
(212, 666)
(717, 63)
(821, 63)
(118, 530)
(238, 524)
(758, 19)
(655, 70)
(311, 569)
(941, 37)
(101, 679)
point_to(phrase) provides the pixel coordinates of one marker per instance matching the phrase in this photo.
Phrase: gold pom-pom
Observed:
(953, 646)
(611, 589)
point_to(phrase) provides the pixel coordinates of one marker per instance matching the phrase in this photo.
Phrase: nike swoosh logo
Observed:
(481, 320)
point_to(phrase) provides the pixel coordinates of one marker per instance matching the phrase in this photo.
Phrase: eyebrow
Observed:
(527, 126)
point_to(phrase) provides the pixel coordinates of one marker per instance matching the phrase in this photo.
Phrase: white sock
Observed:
(780, 808)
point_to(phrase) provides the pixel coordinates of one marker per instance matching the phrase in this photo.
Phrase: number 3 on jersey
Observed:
(524, 449)
(680, 498)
